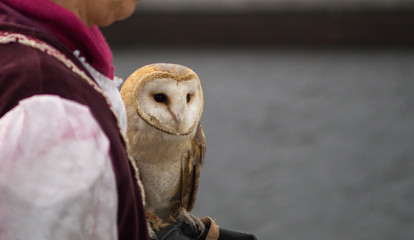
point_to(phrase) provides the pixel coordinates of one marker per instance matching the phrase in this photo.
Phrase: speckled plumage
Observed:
(166, 138)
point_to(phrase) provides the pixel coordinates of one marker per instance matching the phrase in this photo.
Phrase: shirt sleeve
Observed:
(56, 177)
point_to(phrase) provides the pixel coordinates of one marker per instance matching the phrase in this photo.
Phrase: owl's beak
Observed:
(178, 117)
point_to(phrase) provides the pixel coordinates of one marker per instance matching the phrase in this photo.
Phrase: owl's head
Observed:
(166, 96)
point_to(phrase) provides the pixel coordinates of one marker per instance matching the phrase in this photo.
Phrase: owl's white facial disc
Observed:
(172, 106)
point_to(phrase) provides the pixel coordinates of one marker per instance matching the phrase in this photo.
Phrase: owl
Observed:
(164, 103)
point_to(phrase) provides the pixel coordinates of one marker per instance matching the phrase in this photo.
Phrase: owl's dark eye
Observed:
(160, 97)
(188, 97)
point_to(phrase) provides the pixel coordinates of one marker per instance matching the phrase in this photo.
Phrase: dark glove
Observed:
(229, 235)
(178, 231)
(183, 231)
(213, 231)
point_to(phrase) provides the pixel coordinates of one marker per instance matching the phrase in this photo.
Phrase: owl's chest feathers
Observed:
(159, 149)
(148, 144)
(159, 158)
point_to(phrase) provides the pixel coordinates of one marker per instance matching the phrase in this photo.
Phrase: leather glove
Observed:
(178, 231)
(231, 235)
(214, 232)
(183, 231)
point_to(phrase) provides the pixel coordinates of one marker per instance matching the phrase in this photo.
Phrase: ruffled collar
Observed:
(69, 30)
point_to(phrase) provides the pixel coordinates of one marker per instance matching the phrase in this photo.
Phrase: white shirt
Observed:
(56, 177)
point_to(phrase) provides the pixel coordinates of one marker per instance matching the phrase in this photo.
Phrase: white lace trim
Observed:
(110, 87)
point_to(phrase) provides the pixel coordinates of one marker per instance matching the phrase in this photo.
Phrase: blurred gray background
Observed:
(269, 5)
(310, 128)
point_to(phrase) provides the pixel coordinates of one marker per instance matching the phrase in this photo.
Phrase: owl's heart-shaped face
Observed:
(170, 105)
(167, 97)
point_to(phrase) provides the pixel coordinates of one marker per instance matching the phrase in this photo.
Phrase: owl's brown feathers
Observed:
(191, 169)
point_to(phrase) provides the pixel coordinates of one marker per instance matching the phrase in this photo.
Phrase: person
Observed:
(65, 172)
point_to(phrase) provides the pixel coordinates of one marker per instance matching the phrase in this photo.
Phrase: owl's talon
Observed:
(154, 222)
(192, 220)
(151, 233)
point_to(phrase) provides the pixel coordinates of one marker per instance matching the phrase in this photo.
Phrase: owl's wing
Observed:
(190, 174)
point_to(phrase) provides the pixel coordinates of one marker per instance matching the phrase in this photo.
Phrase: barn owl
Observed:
(164, 103)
